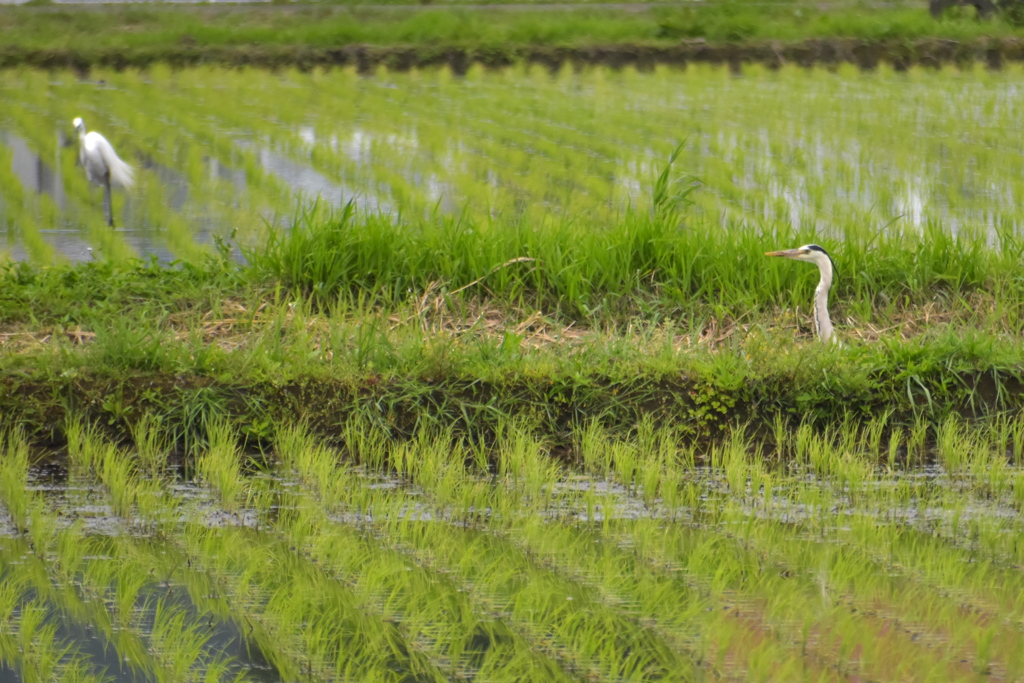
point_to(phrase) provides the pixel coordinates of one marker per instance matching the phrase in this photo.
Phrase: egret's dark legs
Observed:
(110, 202)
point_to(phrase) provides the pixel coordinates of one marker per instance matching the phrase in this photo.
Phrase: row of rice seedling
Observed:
(248, 100)
(475, 136)
(125, 590)
(174, 638)
(21, 220)
(30, 648)
(813, 590)
(605, 505)
(335, 627)
(920, 543)
(213, 124)
(240, 106)
(131, 593)
(80, 591)
(491, 580)
(451, 624)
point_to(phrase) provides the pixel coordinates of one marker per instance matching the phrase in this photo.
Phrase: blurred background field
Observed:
(130, 28)
(219, 150)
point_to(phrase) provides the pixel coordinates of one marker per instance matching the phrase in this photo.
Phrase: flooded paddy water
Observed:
(221, 150)
(837, 555)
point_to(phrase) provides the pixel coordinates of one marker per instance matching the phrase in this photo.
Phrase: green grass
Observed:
(135, 31)
(452, 324)
(575, 270)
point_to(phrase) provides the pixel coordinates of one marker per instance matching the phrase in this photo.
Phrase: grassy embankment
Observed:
(468, 324)
(405, 36)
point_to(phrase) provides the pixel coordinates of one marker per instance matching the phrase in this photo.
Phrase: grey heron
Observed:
(818, 256)
(102, 165)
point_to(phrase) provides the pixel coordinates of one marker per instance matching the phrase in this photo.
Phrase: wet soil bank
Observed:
(701, 408)
(866, 54)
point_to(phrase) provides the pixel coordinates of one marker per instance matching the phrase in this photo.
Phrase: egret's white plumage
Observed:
(102, 165)
(818, 256)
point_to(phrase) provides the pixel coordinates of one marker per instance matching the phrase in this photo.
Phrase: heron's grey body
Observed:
(818, 256)
(102, 165)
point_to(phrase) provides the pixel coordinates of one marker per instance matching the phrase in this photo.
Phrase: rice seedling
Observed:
(440, 619)
(18, 216)
(219, 464)
(32, 645)
(44, 654)
(319, 619)
(14, 477)
(151, 445)
(177, 640)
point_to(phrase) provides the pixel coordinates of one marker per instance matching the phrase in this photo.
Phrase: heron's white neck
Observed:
(822, 322)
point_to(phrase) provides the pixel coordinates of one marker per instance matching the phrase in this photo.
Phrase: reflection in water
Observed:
(36, 176)
(175, 183)
(310, 184)
(68, 244)
(89, 642)
(219, 171)
(206, 225)
(142, 244)
(9, 244)
(141, 235)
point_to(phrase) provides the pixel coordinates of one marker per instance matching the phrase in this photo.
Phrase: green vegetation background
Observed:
(137, 27)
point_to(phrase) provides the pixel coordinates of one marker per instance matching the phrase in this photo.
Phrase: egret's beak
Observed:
(788, 253)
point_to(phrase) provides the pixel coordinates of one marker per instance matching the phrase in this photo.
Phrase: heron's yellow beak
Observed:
(788, 253)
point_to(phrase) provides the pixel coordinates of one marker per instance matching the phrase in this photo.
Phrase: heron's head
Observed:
(808, 252)
(79, 125)
(814, 254)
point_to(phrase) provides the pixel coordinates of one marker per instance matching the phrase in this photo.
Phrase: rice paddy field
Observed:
(836, 555)
(433, 377)
(220, 151)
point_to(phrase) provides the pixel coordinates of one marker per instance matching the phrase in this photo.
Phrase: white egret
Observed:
(102, 165)
(815, 254)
